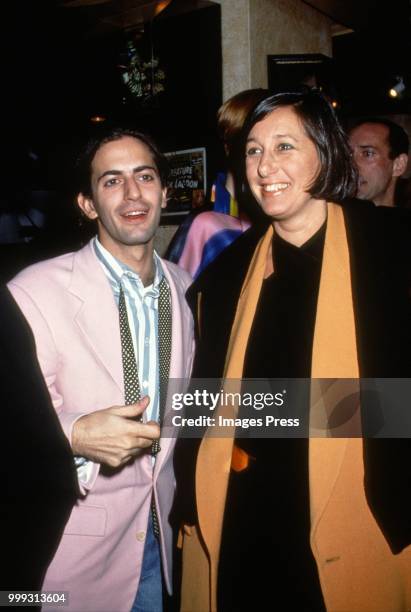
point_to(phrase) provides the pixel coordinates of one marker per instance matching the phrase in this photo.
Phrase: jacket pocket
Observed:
(88, 521)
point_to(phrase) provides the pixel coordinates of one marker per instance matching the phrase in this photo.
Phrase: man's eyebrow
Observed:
(145, 167)
(109, 173)
(120, 172)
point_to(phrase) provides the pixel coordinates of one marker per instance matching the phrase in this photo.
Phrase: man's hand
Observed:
(113, 436)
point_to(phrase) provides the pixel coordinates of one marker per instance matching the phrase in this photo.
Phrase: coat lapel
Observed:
(325, 459)
(335, 369)
(177, 362)
(97, 317)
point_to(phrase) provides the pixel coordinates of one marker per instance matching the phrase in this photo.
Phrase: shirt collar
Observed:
(116, 269)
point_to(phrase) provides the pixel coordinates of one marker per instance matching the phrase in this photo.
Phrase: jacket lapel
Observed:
(177, 362)
(325, 459)
(335, 369)
(97, 317)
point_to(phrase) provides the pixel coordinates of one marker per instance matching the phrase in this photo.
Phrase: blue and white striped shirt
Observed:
(142, 312)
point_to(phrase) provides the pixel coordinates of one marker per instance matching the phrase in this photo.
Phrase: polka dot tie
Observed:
(130, 371)
(164, 348)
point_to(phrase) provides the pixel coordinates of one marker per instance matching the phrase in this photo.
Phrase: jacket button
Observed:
(140, 536)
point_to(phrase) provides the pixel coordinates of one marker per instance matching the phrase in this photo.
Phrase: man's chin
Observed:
(139, 240)
(139, 237)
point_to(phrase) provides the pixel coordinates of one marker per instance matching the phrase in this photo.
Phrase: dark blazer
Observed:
(380, 245)
(37, 474)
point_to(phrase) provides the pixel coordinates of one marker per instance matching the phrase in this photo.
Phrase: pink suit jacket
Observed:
(71, 309)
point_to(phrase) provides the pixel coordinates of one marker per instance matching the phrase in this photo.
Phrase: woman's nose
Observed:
(268, 165)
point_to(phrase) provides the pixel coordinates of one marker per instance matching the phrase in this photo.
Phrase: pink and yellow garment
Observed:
(201, 238)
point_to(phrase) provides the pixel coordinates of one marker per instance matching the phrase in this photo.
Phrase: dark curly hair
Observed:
(85, 159)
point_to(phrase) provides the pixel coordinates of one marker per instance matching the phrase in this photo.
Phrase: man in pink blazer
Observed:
(109, 559)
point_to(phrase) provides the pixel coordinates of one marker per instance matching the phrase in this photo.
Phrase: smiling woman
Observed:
(282, 163)
(295, 147)
(297, 297)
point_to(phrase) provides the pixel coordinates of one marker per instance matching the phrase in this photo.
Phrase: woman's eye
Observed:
(251, 151)
(285, 146)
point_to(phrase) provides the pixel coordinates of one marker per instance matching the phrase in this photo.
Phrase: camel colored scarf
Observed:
(334, 347)
(334, 357)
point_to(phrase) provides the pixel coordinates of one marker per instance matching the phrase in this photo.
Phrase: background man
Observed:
(94, 314)
(380, 149)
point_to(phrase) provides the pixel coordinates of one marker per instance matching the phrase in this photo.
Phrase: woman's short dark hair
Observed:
(85, 159)
(337, 177)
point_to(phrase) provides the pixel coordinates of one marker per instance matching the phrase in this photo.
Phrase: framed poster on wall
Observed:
(290, 71)
(186, 186)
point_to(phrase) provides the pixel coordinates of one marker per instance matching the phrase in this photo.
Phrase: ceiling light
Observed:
(161, 6)
(398, 88)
